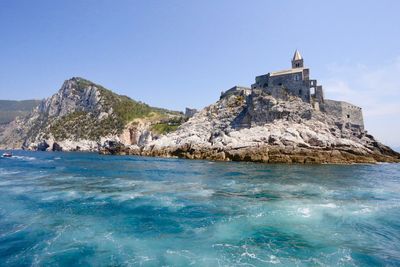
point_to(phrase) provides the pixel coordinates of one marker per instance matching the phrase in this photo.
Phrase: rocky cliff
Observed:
(258, 127)
(82, 116)
(242, 126)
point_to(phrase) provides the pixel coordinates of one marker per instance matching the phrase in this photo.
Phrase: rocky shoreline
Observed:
(262, 154)
(260, 128)
(243, 125)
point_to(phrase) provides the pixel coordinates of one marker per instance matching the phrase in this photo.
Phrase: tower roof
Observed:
(297, 55)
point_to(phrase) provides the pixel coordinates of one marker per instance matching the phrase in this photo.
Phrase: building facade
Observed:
(296, 81)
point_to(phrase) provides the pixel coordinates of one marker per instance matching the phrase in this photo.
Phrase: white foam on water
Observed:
(186, 254)
(363, 211)
(16, 229)
(6, 183)
(50, 198)
(119, 182)
(305, 212)
(157, 188)
(258, 215)
(21, 189)
(71, 195)
(170, 202)
(203, 192)
(63, 195)
(274, 260)
(329, 205)
(9, 172)
(127, 196)
(6, 172)
(247, 254)
(24, 158)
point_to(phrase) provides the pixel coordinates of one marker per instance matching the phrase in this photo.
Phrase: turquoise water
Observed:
(68, 209)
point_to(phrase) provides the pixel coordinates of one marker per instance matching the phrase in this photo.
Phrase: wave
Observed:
(27, 158)
(7, 172)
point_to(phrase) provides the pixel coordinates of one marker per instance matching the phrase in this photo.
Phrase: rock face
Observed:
(258, 127)
(81, 116)
(244, 125)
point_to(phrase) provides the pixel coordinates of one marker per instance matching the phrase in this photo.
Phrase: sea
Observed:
(85, 209)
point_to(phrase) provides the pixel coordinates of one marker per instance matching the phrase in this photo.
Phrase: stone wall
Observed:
(277, 92)
(294, 83)
(261, 81)
(319, 94)
(353, 114)
(295, 86)
(189, 112)
(297, 82)
(236, 90)
(346, 112)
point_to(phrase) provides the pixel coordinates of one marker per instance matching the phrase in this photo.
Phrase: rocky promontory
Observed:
(258, 127)
(82, 116)
(244, 125)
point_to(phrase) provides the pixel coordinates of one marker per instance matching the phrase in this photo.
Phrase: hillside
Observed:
(243, 125)
(80, 116)
(10, 109)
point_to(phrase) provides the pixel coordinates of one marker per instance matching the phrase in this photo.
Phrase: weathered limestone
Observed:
(261, 128)
(81, 116)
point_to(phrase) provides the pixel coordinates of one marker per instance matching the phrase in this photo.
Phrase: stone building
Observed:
(296, 81)
(189, 112)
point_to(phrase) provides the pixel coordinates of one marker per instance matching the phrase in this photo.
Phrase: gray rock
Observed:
(259, 127)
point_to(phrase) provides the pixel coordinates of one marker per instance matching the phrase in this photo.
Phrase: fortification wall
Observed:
(319, 94)
(236, 90)
(346, 112)
(282, 92)
(261, 81)
(289, 80)
(277, 92)
(353, 114)
(189, 112)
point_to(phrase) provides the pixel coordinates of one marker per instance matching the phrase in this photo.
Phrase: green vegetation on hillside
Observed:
(84, 125)
(124, 107)
(163, 128)
(168, 126)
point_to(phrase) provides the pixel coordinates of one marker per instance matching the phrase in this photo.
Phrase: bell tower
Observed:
(297, 61)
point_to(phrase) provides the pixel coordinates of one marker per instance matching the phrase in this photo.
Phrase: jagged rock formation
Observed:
(82, 116)
(244, 125)
(258, 127)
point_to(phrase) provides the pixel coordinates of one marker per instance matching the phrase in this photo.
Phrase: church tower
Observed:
(297, 61)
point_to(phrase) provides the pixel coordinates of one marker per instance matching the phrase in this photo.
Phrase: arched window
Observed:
(297, 77)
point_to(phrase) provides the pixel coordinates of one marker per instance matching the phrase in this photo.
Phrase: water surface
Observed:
(66, 209)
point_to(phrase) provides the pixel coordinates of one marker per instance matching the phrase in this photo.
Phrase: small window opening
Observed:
(348, 116)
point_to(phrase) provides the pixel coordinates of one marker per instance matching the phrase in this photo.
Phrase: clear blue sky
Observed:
(175, 54)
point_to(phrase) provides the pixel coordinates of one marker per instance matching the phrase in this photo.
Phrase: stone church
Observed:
(296, 81)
